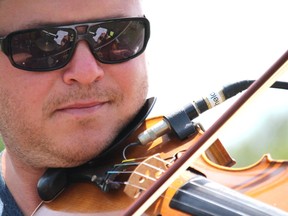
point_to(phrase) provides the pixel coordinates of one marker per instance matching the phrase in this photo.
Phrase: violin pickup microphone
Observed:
(181, 123)
(178, 122)
(154, 132)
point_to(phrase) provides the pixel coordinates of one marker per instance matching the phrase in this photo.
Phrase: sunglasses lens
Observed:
(119, 41)
(42, 49)
(48, 49)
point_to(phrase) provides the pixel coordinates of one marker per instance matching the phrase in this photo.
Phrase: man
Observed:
(65, 92)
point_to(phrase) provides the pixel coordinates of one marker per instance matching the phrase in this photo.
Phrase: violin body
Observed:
(266, 181)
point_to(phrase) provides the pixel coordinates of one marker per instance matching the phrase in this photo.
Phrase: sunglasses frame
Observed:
(5, 41)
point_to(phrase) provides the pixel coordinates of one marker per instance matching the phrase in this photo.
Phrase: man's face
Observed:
(67, 116)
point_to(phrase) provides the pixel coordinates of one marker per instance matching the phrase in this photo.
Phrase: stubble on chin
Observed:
(29, 141)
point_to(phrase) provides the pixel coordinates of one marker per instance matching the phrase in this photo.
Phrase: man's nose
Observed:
(83, 67)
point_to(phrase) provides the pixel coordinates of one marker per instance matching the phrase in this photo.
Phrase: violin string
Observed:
(183, 191)
(240, 201)
(131, 172)
(153, 167)
(170, 197)
(177, 189)
(140, 159)
(199, 197)
(148, 177)
(248, 202)
(225, 207)
(209, 189)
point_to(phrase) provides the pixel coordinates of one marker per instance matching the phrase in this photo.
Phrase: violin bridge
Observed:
(145, 175)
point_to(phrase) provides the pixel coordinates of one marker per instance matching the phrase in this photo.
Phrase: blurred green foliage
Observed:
(271, 138)
(1, 144)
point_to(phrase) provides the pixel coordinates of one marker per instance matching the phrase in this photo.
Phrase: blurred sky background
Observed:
(198, 46)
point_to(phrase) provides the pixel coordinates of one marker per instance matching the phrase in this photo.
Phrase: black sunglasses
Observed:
(45, 49)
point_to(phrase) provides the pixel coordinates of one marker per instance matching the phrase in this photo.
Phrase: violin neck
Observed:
(201, 196)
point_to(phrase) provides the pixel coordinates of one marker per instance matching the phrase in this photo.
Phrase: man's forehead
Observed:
(31, 13)
(44, 23)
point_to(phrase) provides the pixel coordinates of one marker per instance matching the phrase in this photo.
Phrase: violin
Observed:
(190, 175)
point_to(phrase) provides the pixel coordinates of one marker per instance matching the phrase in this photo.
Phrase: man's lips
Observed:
(81, 108)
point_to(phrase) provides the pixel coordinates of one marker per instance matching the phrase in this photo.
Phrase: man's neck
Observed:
(22, 182)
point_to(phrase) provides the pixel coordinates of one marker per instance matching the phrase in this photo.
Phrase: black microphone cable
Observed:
(181, 123)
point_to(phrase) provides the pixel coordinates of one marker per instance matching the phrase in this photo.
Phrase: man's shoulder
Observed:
(8, 205)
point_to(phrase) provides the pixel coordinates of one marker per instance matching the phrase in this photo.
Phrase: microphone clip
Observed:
(181, 124)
